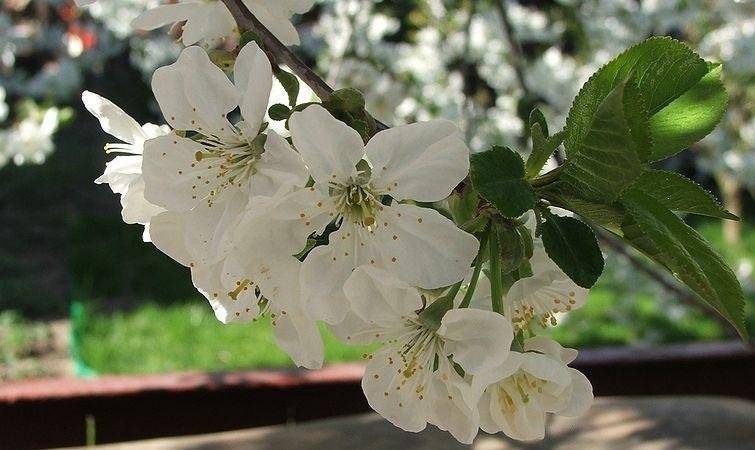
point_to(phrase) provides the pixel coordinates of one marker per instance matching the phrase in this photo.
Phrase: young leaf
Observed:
(606, 162)
(664, 69)
(498, 176)
(290, 84)
(279, 112)
(537, 117)
(573, 247)
(657, 232)
(678, 193)
(690, 117)
(542, 149)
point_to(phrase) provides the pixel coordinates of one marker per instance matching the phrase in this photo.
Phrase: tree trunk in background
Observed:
(732, 199)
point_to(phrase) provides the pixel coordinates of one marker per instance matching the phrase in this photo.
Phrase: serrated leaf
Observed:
(657, 232)
(498, 176)
(542, 149)
(663, 69)
(678, 193)
(608, 216)
(573, 247)
(606, 162)
(290, 84)
(690, 117)
(537, 117)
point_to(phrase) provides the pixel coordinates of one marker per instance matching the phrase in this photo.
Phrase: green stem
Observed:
(477, 270)
(496, 288)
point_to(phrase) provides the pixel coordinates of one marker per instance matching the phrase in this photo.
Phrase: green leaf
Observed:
(498, 176)
(609, 216)
(663, 69)
(542, 149)
(573, 247)
(290, 84)
(279, 112)
(512, 249)
(690, 117)
(606, 162)
(678, 193)
(537, 117)
(657, 232)
(249, 36)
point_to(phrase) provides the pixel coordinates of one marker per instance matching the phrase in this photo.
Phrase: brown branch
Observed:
(278, 53)
(680, 293)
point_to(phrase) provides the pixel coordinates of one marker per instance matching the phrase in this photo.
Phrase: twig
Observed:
(278, 53)
(681, 294)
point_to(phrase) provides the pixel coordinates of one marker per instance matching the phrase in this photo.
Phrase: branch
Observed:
(278, 53)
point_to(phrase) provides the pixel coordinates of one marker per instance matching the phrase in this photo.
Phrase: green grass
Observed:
(21, 341)
(158, 338)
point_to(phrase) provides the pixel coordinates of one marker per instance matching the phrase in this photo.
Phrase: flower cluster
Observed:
(321, 226)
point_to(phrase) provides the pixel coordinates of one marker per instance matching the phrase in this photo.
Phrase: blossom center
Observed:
(355, 202)
(234, 162)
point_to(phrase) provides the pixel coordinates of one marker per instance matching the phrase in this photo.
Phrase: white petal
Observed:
(275, 19)
(378, 297)
(168, 232)
(550, 347)
(208, 90)
(324, 273)
(423, 247)
(209, 227)
(279, 168)
(446, 408)
(329, 147)
(170, 173)
(230, 301)
(353, 330)
(399, 406)
(423, 161)
(546, 368)
(253, 77)
(487, 424)
(581, 395)
(136, 208)
(483, 380)
(479, 340)
(299, 336)
(164, 15)
(113, 119)
(120, 172)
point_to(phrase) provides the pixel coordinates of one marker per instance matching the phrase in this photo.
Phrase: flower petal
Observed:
(253, 77)
(299, 336)
(160, 16)
(389, 396)
(280, 167)
(422, 161)
(581, 395)
(223, 284)
(136, 208)
(446, 408)
(481, 381)
(542, 344)
(423, 247)
(329, 147)
(208, 90)
(113, 119)
(378, 297)
(168, 232)
(479, 340)
(170, 173)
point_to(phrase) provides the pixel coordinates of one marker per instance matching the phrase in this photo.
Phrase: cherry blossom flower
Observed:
(421, 162)
(412, 380)
(515, 397)
(208, 180)
(210, 22)
(545, 294)
(124, 172)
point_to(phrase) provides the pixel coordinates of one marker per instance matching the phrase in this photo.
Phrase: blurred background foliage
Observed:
(481, 63)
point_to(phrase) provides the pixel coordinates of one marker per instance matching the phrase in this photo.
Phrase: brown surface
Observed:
(660, 423)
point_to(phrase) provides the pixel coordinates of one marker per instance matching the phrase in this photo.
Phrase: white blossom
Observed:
(211, 22)
(516, 397)
(412, 381)
(421, 162)
(124, 172)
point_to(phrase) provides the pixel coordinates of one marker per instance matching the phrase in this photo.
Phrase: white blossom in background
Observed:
(401, 381)
(210, 22)
(421, 162)
(516, 397)
(3, 105)
(29, 141)
(124, 172)
(382, 93)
